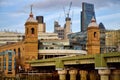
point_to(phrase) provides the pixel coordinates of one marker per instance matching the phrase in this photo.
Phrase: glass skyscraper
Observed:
(86, 15)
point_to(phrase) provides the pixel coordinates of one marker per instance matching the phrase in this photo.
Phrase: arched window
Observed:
(19, 53)
(32, 31)
(15, 51)
(95, 34)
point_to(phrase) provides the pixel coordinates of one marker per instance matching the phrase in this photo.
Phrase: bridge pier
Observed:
(115, 75)
(83, 74)
(93, 75)
(62, 74)
(73, 74)
(104, 74)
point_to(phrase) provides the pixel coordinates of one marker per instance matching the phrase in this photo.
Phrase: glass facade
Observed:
(86, 15)
(7, 58)
(9, 61)
(78, 40)
(4, 63)
(102, 37)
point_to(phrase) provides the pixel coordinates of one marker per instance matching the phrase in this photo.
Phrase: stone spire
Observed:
(31, 18)
(31, 15)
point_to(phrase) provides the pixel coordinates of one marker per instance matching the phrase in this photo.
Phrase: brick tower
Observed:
(93, 38)
(31, 39)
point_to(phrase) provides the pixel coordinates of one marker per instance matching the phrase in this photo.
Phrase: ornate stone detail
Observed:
(62, 72)
(73, 72)
(104, 72)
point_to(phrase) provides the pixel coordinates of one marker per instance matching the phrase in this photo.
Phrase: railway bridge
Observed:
(83, 67)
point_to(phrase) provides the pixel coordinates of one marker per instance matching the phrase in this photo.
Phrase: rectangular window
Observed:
(10, 62)
(4, 63)
(14, 63)
(10, 53)
(9, 66)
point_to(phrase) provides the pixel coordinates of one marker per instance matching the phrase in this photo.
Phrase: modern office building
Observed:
(112, 40)
(63, 31)
(59, 30)
(48, 36)
(102, 37)
(10, 37)
(78, 40)
(86, 15)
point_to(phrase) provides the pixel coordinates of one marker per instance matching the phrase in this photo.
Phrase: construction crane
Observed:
(69, 9)
(67, 13)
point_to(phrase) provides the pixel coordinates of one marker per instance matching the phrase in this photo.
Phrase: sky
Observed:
(14, 13)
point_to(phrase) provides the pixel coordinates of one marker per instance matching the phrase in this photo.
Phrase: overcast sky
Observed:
(14, 13)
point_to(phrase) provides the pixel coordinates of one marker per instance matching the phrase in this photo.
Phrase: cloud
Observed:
(110, 17)
(5, 3)
(57, 4)
(8, 2)
(19, 13)
(13, 27)
(52, 9)
(110, 21)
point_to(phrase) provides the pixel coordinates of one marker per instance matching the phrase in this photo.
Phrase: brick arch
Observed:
(33, 58)
(32, 31)
(27, 58)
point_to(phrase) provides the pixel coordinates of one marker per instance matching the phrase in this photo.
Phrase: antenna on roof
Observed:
(64, 11)
(69, 9)
(67, 14)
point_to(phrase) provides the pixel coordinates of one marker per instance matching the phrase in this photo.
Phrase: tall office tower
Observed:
(41, 24)
(86, 15)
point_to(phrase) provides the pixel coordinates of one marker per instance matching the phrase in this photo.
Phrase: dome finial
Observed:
(31, 15)
(93, 23)
(31, 18)
(93, 19)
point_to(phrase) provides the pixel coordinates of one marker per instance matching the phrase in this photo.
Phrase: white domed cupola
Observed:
(31, 17)
(93, 23)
